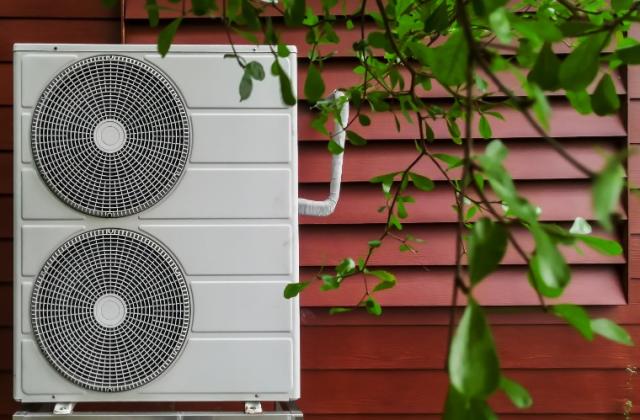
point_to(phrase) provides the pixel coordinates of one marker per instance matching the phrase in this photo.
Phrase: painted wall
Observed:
(356, 367)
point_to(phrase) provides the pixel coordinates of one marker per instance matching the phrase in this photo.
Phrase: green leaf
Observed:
(545, 70)
(474, 368)
(421, 182)
(283, 51)
(329, 282)
(459, 407)
(286, 92)
(449, 61)
(580, 101)
(499, 22)
(484, 127)
(201, 7)
(347, 266)
(487, 244)
(334, 148)
(255, 70)
(165, 38)
(604, 100)
(295, 11)
(246, 86)
(602, 245)
(294, 289)
(313, 85)
(379, 40)
(450, 160)
(549, 271)
(339, 310)
(606, 190)
(541, 107)
(540, 28)
(385, 179)
(579, 69)
(629, 55)
(576, 316)
(518, 394)
(355, 138)
(612, 331)
(153, 12)
(438, 21)
(374, 243)
(387, 279)
(373, 307)
(364, 120)
(620, 5)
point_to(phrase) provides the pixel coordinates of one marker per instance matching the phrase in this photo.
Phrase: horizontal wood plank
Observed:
(509, 286)
(359, 203)
(88, 31)
(564, 122)
(6, 91)
(6, 173)
(6, 122)
(423, 391)
(424, 347)
(363, 163)
(323, 246)
(339, 74)
(634, 256)
(211, 31)
(59, 9)
(135, 9)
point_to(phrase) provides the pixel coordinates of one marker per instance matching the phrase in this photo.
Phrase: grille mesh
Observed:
(110, 310)
(110, 135)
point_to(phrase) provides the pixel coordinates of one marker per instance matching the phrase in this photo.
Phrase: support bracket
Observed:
(252, 407)
(64, 408)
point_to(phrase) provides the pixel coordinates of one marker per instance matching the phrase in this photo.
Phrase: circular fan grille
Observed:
(110, 310)
(110, 135)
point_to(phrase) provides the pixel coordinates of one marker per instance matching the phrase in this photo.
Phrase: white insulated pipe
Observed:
(326, 207)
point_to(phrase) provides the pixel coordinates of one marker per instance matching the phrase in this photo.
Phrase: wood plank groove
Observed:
(515, 315)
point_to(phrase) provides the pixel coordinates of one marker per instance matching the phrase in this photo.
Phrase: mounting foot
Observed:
(63, 408)
(252, 407)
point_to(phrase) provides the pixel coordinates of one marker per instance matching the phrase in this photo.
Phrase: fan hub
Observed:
(110, 310)
(110, 136)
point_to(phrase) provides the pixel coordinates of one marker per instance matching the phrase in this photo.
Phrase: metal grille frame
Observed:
(158, 310)
(111, 88)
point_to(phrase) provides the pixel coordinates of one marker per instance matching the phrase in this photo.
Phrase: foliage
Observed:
(467, 47)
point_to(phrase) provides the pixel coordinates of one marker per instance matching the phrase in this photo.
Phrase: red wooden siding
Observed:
(356, 367)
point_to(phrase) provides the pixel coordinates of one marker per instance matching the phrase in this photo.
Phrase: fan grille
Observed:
(110, 135)
(110, 310)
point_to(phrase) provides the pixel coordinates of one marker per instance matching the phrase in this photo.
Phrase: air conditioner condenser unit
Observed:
(155, 226)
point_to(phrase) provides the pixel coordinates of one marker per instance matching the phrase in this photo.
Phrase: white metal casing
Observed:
(231, 223)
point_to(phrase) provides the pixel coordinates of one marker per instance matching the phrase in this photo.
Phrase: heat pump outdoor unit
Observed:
(156, 226)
